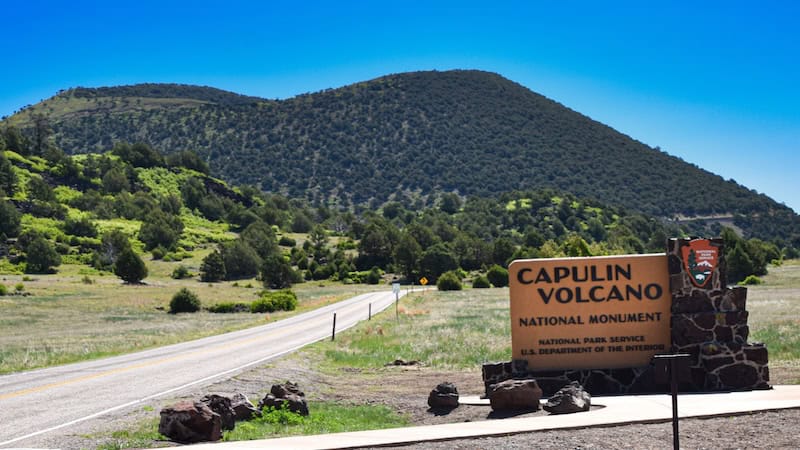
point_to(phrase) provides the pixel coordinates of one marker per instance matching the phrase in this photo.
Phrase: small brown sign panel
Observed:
(590, 313)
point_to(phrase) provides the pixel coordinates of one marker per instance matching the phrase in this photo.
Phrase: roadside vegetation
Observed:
(456, 332)
(323, 418)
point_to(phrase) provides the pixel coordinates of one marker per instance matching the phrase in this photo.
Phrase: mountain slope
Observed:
(406, 135)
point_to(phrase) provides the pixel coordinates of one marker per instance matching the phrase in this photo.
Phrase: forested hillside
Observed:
(405, 137)
(115, 210)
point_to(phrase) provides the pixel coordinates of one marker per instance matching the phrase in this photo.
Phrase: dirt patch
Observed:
(403, 388)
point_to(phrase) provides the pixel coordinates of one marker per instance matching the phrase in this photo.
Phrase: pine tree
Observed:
(8, 179)
(41, 256)
(130, 267)
(213, 268)
(739, 264)
(276, 272)
(692, 260)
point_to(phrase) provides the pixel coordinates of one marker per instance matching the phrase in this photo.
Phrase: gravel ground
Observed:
(406, 388)
(766, 430)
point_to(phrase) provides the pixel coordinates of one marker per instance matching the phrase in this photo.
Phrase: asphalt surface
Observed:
(42, 401)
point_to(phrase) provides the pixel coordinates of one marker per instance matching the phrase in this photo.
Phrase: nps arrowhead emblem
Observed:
(700, 259)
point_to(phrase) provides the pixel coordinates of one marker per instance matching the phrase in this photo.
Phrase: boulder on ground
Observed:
(285, 394)
(569, 399)
(243, 409)
(444, 396)
(515, 395)
(402, 362)
(222, 406)
(283, 390)
(188, 422)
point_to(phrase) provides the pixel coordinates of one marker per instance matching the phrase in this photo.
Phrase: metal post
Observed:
(333, 332)
(369, 317)
(674, 387)
(672, 368)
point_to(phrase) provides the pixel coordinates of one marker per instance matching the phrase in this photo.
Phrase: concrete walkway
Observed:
(617, 410)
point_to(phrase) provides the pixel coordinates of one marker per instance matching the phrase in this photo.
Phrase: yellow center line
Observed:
(237, 343)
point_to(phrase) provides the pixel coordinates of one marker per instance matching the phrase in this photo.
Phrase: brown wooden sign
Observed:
(590, 313)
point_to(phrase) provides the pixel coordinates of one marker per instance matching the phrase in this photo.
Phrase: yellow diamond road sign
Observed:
(423, 281)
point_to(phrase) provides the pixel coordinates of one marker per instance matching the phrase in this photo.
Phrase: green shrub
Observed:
(62, 248)
(325, 272)
(461, 273)
(282, 415)
(19, 287)
(481, 282)
(498, 276)
(271, 301)
(750, 280)
(80, 227)
(286, 241)
(348, 244)
(184, 301)
(87, 280)
(449, 281)
(159, 252)
(229, 307)
(3, 290)
(263, 305)
(374, 276)
(181, 272)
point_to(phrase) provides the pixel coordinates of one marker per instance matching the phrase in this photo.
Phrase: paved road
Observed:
(41, 401)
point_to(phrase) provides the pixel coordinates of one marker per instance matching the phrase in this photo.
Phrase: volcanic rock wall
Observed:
(709, 322)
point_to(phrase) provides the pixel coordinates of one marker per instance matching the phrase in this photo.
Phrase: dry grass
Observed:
(446, 330)
(65, 319)
(775, 318)
(778, 299)
(462, 329)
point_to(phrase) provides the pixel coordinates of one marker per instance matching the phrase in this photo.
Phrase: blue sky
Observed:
(714, 83)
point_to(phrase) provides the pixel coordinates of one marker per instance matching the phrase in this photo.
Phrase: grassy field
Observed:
(81, 314)
(775, 316)
(448, 330)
